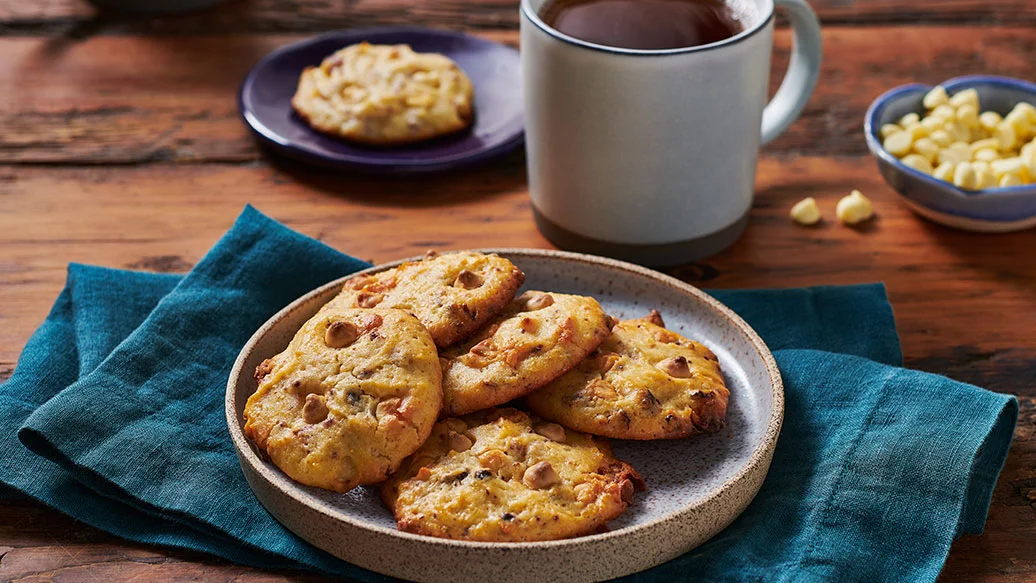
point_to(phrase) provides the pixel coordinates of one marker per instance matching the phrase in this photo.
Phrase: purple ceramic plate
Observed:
(265, 103)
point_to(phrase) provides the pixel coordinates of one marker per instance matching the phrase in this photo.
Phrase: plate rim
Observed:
(762, 453)
(292, 149)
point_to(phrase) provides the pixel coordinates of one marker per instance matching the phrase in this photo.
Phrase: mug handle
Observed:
(802, 74)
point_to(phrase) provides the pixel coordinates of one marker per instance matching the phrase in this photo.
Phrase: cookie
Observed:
(452, 294)
(501, 475)
(643, 382)
(384, 95)
(537, 338)
(354, 393)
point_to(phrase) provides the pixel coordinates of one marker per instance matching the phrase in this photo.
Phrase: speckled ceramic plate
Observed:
(696, 486)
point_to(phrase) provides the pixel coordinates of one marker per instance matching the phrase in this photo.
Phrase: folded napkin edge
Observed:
(987, 465)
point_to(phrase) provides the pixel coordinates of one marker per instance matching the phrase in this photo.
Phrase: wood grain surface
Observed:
(120, 145)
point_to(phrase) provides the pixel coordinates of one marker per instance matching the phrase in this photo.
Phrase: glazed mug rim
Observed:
(766, 8)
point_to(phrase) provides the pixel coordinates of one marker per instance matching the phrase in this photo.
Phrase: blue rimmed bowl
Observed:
(994, 210)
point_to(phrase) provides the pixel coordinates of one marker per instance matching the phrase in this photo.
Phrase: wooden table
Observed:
(120, 145)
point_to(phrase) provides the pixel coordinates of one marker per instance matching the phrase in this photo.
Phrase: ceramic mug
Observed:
(650, 155)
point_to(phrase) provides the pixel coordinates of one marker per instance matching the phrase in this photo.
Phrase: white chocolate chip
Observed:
(854, 208)
(926, 148)
(965, 97)
(967, 114)
(957, 142)
(945, 112)
(988, 120)
(888, 129)
(1006, 136)
(898, 144)
(986, 178)
(944, 171)
(936, 97)
(986, 155)
(910, 118)
(806, 211)
(941, 138)
(1008, 180)
(964, 176)
(917, 162)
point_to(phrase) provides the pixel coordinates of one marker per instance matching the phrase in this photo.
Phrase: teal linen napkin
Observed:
(120, 393)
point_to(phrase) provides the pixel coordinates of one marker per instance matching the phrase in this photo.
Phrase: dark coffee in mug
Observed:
(643, 24)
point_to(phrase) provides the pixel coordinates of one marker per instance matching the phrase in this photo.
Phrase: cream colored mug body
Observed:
(650, 155)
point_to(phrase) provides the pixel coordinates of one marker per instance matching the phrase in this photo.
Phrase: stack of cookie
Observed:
(400, 379)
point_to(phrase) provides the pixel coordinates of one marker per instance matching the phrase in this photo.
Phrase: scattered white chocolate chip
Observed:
(854, 208)
(806, 211)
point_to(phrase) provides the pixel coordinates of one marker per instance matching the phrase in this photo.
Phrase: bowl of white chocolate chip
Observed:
(962, 153)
